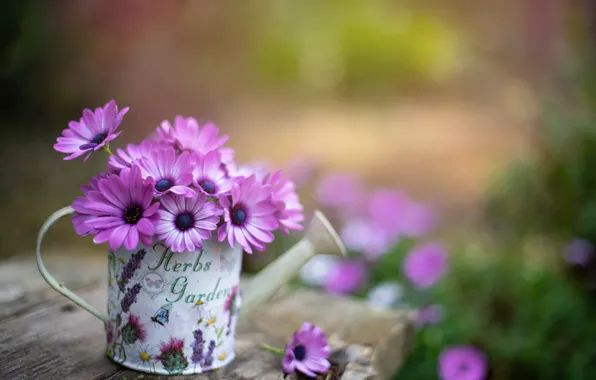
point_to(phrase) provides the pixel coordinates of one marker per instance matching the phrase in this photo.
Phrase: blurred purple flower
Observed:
(578, 251)
(462, 362)
(366, 237)
(339, 190)
(346, 277)
(425, 264)
(399, 215)
(428, 315)
(186, 134)
(125, 157)
(289, 209)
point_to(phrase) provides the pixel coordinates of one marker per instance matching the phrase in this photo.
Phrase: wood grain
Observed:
(43, 336)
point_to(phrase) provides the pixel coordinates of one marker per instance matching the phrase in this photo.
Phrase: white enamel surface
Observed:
(174, 283)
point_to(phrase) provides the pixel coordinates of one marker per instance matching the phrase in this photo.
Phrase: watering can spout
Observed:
(320, 237)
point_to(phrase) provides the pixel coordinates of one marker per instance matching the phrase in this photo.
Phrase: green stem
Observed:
(106, 148)
(275, 350)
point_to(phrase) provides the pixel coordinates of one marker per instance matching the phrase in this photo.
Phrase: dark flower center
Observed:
(163, 185)
(184, 222)
(463, 367)
(238, 216)
(300, 352)
(208, 186)
(98, 139)
(133, 214)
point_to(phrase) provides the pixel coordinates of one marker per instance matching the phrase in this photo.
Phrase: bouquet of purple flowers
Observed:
(177, 186)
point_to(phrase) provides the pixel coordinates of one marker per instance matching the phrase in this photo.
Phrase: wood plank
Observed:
(42, 337)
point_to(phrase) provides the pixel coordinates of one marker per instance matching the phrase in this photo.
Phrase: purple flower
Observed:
(170, 174)
(210, 175)
(130, 297)
(130, 268)
(578, 251)
(124, 158)
(123, 209)
(187, 135)
(346, 277)
(197, 347)
(425, 265)
(209, 357)
(172, 356)
(249, 215)
(365, 236)
(133, 330)
(339, 190)
(428, 315)
(289, 210)
(308, 352)
(185, 222)
(462, 362)
(399, 215)
(82, 214)
(110, 327)
(91, 132)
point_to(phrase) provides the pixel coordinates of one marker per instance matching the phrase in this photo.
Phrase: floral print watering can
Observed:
(176, 313)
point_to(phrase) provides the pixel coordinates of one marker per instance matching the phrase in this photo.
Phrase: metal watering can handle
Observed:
(59, 287)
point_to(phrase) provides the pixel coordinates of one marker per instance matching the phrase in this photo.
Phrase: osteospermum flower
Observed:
(92, 132)
(425, 265)
(399, 215)
(125, 157)
(185, 222)
(124, 210)
(346, 277)
(283, 194)
(428, 315)
(462, 362)
(186, 134)
(210, 175)
(249, 215)
(171, 173)
(367, 237)
(308, 352)
(82, 215)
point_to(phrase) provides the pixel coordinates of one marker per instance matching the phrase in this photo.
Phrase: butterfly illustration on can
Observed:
(153, 283)
(162, 316)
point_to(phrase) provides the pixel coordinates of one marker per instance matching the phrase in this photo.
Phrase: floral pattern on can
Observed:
(173, 313)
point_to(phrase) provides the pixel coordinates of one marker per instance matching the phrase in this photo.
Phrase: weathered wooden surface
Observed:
(44, 336)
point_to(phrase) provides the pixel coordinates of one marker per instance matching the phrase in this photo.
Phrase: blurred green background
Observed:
(482, 110)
